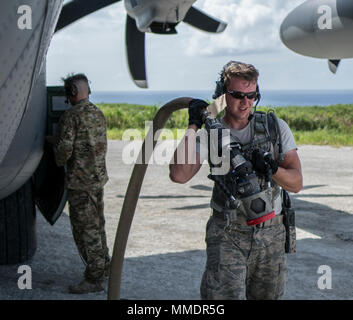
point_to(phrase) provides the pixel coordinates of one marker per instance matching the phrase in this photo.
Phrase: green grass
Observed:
(121, 117)
(331, 125)
(123, 134)
(323, 137)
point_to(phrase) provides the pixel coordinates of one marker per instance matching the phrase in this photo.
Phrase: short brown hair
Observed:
(239, 69)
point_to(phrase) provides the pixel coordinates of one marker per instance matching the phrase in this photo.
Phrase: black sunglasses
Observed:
(241, 95)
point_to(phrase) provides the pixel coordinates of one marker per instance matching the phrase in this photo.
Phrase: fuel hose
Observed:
(135, 184)
(133, 192)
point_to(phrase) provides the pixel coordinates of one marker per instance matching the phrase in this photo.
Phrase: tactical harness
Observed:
(265, 135)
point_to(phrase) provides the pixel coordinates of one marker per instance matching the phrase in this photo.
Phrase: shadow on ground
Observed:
(325, 239)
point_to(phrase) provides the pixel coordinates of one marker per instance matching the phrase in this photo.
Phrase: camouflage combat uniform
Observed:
(245, 262)
(81, 144)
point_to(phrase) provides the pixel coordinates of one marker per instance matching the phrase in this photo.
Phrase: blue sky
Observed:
(192, 59)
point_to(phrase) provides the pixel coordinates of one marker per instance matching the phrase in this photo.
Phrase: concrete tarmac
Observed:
(165, 255)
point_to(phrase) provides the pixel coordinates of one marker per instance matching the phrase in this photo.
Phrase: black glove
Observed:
(262, 161)
(196, 106)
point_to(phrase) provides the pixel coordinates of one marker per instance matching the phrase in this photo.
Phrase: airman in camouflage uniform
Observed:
(243, 261)
(81, 144)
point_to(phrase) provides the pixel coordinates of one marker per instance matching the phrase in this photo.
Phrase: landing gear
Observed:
(18, 240)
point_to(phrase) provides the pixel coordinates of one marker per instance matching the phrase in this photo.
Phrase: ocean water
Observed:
(273, 98)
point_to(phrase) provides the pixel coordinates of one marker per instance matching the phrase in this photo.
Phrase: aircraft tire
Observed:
(18, 240)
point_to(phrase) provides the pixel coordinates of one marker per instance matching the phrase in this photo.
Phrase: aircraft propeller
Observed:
(135, 38)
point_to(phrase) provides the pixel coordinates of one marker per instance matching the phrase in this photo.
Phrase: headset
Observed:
(70, 89)
(221, 86)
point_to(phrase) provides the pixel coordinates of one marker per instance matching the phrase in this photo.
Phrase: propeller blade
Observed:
(78, 9)
(135, 52)
(333, 65)
(202, 21)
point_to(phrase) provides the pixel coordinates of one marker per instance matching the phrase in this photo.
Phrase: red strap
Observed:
(261, 219)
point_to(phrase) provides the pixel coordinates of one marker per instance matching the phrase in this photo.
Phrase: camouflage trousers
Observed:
(87, 221)
(244, 262)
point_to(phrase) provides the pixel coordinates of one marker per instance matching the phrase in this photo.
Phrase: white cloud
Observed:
(95, 45)
(253, 27)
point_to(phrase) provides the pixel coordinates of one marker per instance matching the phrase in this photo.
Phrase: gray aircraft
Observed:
(29, 110)
(320, 29)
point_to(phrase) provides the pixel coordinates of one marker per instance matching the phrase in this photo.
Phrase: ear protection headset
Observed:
(221, 87)
(70, 88)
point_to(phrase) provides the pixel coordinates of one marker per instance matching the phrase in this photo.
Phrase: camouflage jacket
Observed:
(81, 143)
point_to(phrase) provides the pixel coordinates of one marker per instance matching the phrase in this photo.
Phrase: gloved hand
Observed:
(261, 162)
(196, 106)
